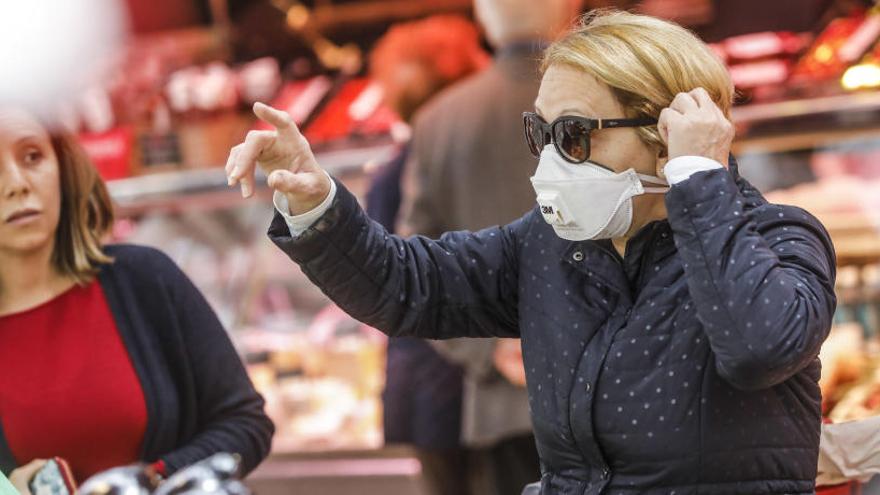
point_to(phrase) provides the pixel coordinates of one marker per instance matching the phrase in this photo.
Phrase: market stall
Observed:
(808, 125)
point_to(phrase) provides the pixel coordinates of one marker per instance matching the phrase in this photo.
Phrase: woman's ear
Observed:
(662, 160)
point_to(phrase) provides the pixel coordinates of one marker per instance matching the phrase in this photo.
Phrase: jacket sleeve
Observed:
(231, 414)
(463, 285)
(762, 279)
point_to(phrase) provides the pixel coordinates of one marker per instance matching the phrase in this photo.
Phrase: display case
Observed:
(804, 137)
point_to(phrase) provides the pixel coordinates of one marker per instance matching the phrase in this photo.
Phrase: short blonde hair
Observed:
(86, 213)
(645, 61)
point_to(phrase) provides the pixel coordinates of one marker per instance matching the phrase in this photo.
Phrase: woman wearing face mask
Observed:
(670, 317)
(110, 354)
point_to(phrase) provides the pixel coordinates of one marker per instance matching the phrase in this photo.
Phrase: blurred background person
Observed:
(110, 354)
(469, 167)
(423, 392)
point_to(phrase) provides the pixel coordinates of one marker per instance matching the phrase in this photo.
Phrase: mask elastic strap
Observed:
(656, 190)
(650, 179)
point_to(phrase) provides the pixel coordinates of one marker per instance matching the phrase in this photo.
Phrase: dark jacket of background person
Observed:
(422, 396)
(688, 365)
(469, 168)
(199, 398)
(422, 399)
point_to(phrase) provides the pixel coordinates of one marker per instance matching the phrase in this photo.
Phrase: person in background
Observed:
(423, 391)
(413, 62)
(469, 167)
(110, 354)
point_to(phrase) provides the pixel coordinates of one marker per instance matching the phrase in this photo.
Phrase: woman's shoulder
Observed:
(136, 253)
(778, 213)
(139, 259)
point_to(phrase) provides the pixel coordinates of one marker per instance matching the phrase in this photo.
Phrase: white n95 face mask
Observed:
(586, 201)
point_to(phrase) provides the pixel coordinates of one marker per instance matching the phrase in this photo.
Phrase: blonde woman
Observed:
(110, 354)
(670, 317)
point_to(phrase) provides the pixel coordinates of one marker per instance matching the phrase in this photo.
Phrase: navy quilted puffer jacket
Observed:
(687, 366)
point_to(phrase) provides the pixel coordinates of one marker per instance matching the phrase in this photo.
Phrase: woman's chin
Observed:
(24, 243)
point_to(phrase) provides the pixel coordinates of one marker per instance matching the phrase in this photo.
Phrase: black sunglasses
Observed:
(570, 134)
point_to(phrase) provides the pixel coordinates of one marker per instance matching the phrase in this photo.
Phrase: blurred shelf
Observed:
(331, 17)
(759, 112)
(856, 236)
(379, 471)
(807, 124)
(804, 140)
(207, 188)
(858, 251)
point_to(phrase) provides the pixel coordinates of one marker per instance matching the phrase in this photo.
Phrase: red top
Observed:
(67, 385)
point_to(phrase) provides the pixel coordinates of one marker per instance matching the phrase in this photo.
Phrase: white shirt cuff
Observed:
(681, 168)
(300, 223)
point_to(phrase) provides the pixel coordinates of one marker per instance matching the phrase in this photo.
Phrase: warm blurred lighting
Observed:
(862, 76)
(50, 48)
(327, 52)
(297, 17)
(351, 58)
(348, 58)
(824, 53)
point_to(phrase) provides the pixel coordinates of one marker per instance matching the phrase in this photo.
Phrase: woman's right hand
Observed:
(286, 158)
(21, 477)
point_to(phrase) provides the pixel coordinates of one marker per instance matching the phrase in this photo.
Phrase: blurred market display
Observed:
(808, 120)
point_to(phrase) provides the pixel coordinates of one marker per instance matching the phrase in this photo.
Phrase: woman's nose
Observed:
(12, 179)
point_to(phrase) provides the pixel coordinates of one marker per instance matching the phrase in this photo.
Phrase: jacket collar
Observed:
(653, 242)
(532, 49)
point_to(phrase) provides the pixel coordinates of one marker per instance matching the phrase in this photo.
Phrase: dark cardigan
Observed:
(199, 399)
